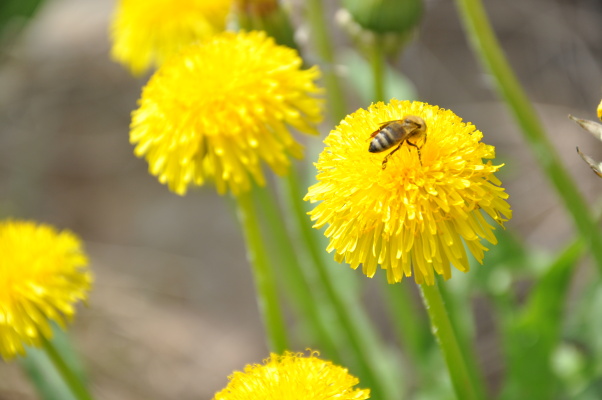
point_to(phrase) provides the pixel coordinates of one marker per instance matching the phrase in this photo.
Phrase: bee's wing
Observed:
(382, 125)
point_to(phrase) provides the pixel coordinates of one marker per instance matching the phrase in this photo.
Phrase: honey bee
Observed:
(398, 132)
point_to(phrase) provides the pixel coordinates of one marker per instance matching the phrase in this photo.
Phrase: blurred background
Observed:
(173, 310)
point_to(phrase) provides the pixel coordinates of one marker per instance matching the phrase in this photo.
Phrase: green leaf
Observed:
(43, 374)
(532, 336)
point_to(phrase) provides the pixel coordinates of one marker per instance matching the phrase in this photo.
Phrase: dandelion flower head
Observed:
(42, 275)
(145, 33)
(292, 376)
(415, 216)
(221, 108)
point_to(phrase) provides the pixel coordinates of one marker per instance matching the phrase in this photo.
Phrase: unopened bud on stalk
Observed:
(385, 16)
(268, 16)
(388, 23)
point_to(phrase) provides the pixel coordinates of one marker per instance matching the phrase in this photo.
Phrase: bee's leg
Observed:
(417, 148)
(389, 155)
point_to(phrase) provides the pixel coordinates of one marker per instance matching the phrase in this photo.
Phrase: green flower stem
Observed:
(77, 387)
(489, 51)
(378, 64)
(411, 327)
(298, 281)
(458, 310)
(445, 334)
(265, 282)
(364, 340)
(323, 44)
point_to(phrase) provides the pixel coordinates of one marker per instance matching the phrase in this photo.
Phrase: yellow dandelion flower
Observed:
(416, 215)
(219, 108)
(599, 110)
(145, 33)
(42, 275)
(292, 376)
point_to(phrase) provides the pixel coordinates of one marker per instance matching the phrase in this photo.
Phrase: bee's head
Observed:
(414, 123)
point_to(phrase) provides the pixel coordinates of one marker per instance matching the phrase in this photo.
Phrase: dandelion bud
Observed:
(386, 23)
(385, 16)
(268, 16)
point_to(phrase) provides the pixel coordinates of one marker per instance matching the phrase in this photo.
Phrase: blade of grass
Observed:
(489, 51)
(531, 338)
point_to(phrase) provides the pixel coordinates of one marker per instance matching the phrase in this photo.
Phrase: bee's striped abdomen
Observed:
(383, 140)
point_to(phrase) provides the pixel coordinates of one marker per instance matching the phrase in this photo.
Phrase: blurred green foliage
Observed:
(14, 14)
(43, 372)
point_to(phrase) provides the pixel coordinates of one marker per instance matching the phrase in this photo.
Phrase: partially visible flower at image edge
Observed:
(146, 33)
(43, 273)
(595, 129)
(221, 108)
(292, 376)
(411, 218)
